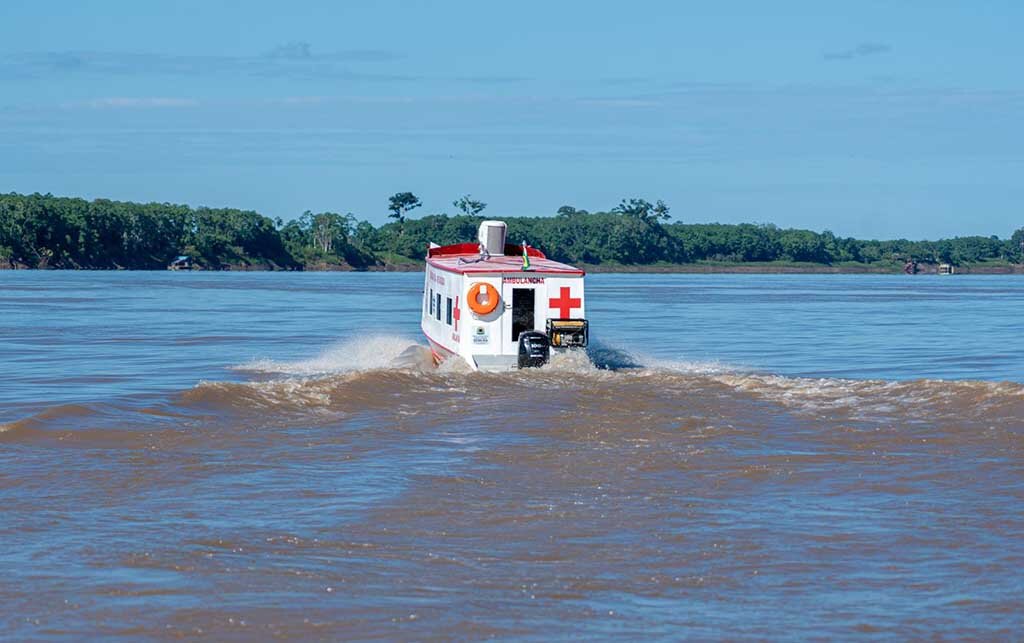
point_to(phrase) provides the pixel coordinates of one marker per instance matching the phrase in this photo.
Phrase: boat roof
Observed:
(464, 259)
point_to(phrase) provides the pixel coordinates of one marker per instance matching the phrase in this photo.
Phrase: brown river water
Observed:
(240, 457)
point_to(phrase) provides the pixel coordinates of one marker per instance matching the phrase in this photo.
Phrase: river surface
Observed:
(268, 455)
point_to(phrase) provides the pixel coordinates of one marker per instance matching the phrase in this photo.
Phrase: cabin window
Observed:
(431, 302)
(448, 315)
(437, 307)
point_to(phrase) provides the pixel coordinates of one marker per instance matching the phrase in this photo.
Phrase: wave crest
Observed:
(397, 375)
(359, 354)
(880, 399)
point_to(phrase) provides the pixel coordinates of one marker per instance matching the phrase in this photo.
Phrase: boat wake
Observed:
(362, 354)
(391, 352)
(388, 370)
(882, 401)
(395, 376)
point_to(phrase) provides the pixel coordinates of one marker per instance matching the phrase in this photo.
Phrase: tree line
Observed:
(44, 231)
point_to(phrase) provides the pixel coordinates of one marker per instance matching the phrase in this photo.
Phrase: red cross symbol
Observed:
(565, 303)
(457, 314)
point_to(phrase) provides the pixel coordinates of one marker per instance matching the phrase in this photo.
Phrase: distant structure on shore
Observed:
(181, 262)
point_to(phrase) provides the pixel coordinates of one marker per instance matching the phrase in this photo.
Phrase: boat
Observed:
(499, 306)
(181, 262)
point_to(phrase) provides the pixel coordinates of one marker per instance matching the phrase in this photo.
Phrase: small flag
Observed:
(526, 258)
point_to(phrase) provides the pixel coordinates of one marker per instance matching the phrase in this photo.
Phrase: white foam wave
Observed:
(359, 354)
(874, 399)
(610, 357)
(390, 352)
(322, 380)
(859, 398)
(572, 361)
(686, 367)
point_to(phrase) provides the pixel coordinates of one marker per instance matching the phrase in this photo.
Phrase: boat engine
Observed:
(534, 349)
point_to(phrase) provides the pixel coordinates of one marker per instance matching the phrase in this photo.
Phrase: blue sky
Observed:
(872, 119)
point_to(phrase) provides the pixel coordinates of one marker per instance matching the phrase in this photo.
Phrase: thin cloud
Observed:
(860, 51)
(620, 102)
(293, 59)
(622, 81)
(300, 50)
(296, 50)
(298, 100)
(492, 80)
(149, 102)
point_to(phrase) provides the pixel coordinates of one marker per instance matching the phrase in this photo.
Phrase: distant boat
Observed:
(500, 306)
(947, 269)
(181, 262)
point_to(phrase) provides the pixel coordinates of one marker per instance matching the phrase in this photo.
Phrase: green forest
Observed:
(44, 231)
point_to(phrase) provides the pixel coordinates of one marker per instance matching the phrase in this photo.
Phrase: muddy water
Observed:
(259, 456)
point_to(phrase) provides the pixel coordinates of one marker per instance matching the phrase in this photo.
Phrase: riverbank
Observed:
(725, 267)
(754, 268)
(70, 233)
(772, 268)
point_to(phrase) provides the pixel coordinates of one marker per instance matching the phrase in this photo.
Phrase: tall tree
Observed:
(637, 208)
(400, 203)
(642, 209)
(661, 210)
(329, 230)
(469, 206)
(1016, 245)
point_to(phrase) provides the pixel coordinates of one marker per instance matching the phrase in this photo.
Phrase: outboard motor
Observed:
(534, 349)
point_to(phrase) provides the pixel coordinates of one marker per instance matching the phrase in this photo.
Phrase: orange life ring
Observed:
(487, 303)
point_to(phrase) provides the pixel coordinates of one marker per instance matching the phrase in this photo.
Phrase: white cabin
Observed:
(479, 299)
